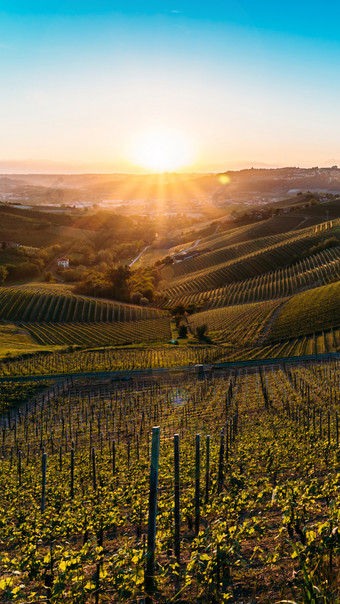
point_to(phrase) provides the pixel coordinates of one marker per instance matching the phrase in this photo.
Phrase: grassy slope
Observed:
(15, 341)
(36, 231)
(308, 312)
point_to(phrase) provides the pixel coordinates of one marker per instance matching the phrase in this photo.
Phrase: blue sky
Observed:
(242, 82)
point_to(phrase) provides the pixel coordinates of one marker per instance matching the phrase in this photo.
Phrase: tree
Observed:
(136, 297)
(3, 274)
(201, 331)
(179, 309)
(118, 278)
(182, 331)
(48, 277)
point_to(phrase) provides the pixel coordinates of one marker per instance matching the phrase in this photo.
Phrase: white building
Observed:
(63, 262)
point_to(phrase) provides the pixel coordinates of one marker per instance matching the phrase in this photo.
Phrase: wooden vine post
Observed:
(19, 467)
(207, 470)
(150, 554)
(220, 463)
(94, 470)
(72, 473)
(197, 484)
(43, 482)
(113, 457)
(177, 500)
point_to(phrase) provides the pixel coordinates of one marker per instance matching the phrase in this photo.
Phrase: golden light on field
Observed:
(161, 151)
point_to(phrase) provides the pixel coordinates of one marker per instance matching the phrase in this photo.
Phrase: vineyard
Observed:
(246, 267)
(319, 269)
(100, 334)
(243, 472)
(271, 251)
(217, 256)
(314, 310)
(26, 305)
(237, 325)
(322, 342)
(140, 468)
(110, 359)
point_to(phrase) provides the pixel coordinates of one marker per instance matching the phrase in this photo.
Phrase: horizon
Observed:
(247, 166)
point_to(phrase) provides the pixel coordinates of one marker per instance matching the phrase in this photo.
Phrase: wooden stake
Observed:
(72, 473)
(207, 469)
(94, 470)
(19, 467)
(43, 482)
(197, 484)
(220, 463)
(150, 556)
(177, 500)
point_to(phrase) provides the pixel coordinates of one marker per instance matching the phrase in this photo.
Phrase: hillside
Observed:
(248, 285)
(311, 311)
(275, 256)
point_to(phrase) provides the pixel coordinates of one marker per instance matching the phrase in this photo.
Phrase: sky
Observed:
(83, 84)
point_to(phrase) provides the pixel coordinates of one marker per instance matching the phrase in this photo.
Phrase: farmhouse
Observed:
(63, 262)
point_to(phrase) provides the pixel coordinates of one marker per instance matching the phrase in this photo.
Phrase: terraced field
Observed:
(211, 258)
(271, 258)
(283, 225)
(25, 305)
(100, 334)
(311, 272)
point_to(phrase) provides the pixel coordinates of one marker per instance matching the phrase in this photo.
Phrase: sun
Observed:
(161, 151)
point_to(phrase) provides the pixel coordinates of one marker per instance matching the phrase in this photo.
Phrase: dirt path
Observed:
(270, 323)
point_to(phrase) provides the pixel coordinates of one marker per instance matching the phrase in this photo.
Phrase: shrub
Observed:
(136, 297)
(182, 331)
(48, 277)
(201, 331)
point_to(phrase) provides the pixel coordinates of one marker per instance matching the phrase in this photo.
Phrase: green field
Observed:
(308, 312)
(16, 341)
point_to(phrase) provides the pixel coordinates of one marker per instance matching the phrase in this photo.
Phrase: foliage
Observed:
(182, 330)
(271, 505)
(3, 274)
(201, 331)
